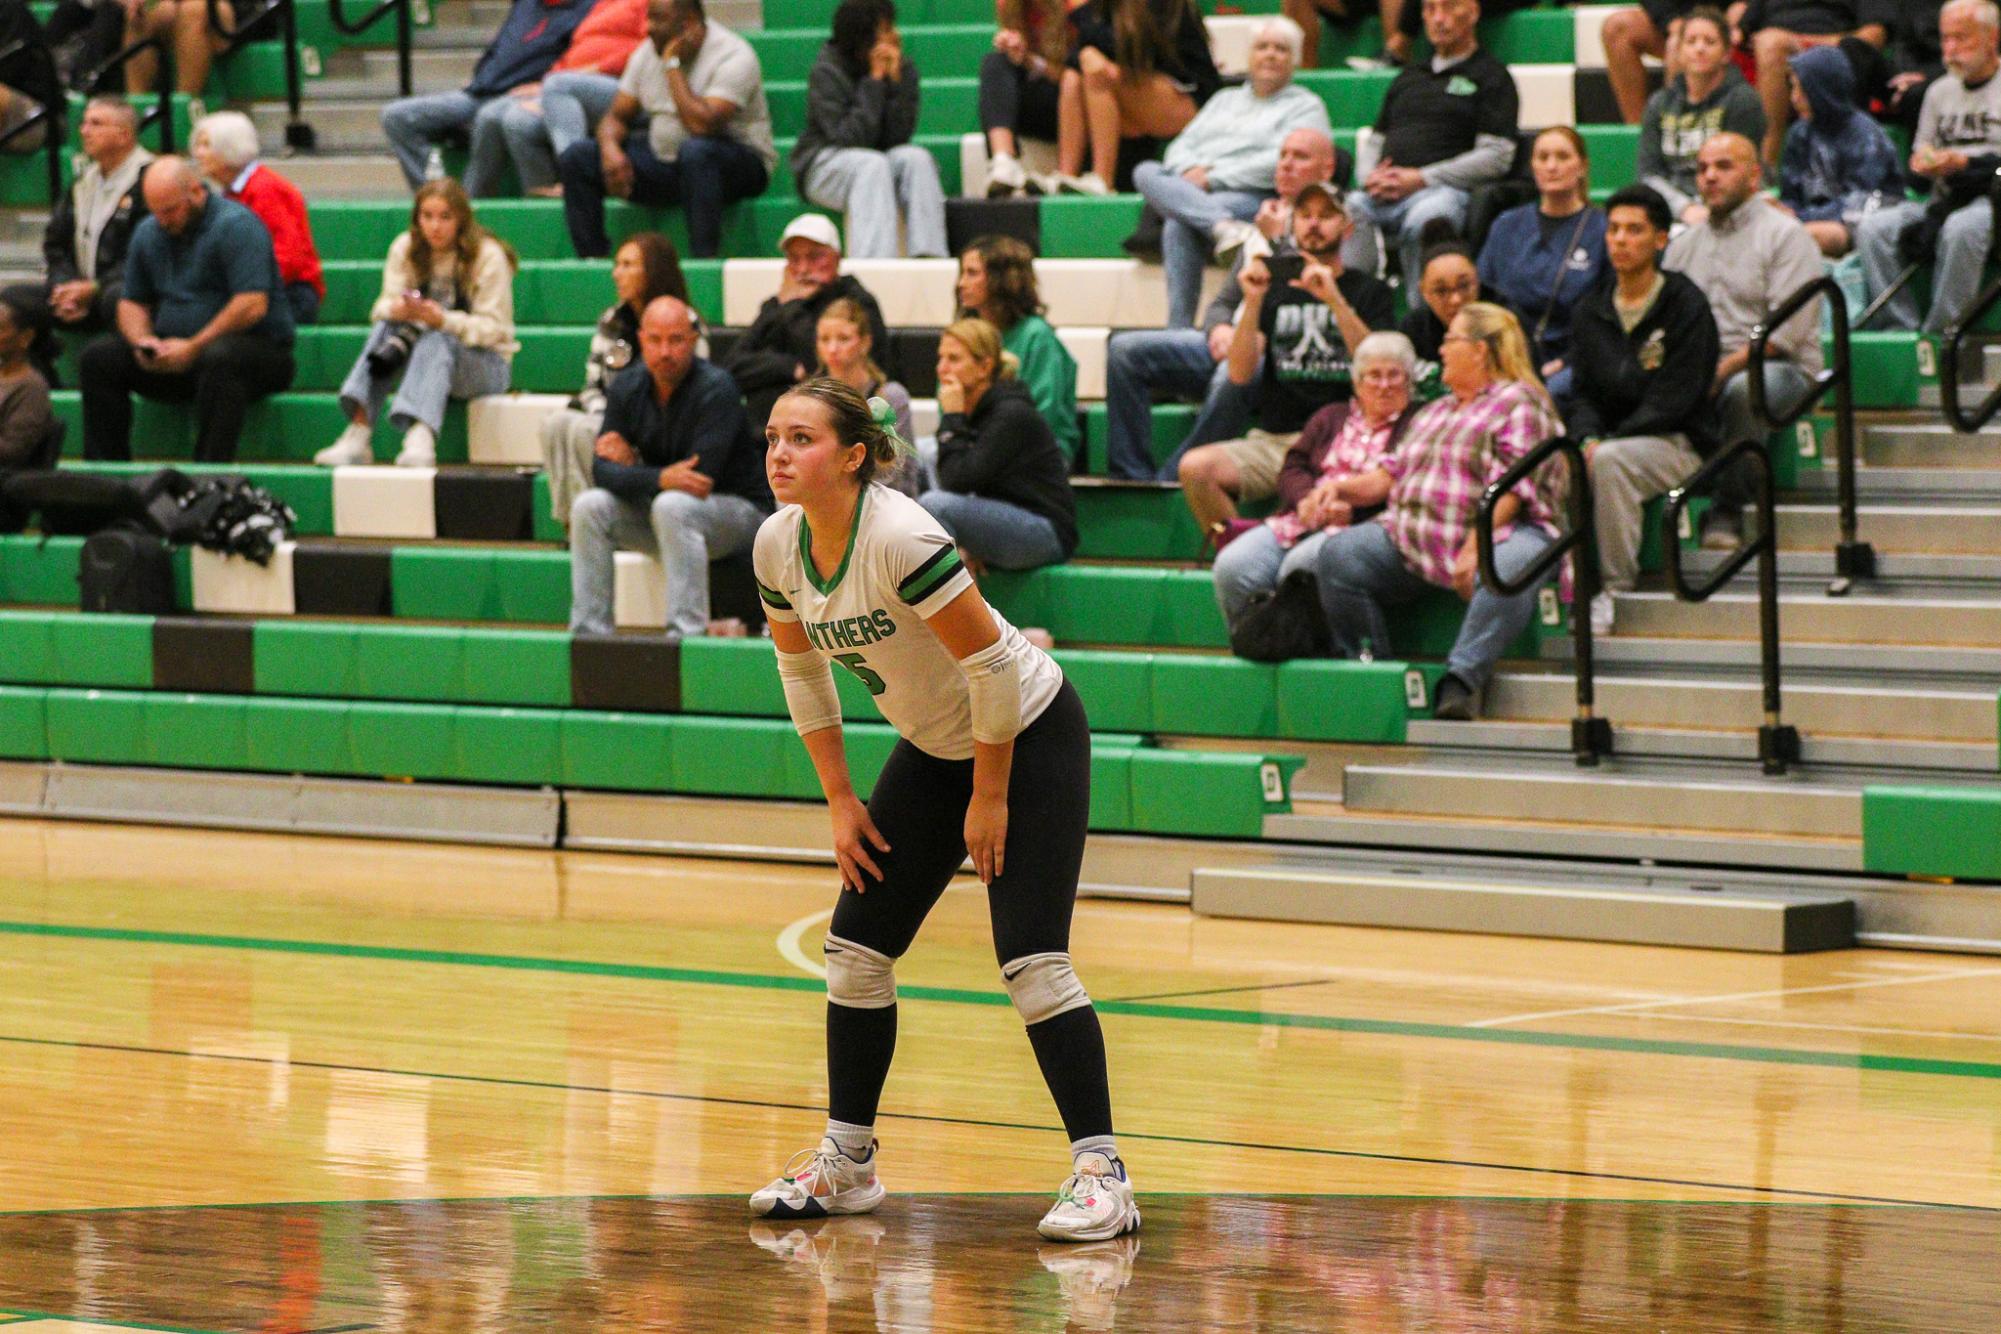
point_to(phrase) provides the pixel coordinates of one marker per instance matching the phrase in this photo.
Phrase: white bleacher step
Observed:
(1590, 35)
(236, 584)
(1607, 905)
(639, 592)
(388, 501)
(1037, 156)
(1079, 293)
(1548, 94)
(507, 428)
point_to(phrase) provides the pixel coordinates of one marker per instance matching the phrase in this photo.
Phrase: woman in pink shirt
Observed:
(1495, 412)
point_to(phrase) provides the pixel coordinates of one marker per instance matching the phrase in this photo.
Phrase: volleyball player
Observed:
(993, 743)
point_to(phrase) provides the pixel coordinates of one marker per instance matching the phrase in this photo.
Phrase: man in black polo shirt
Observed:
(1303, 316)
(203, 317)
(1446, 126)
(677, 472)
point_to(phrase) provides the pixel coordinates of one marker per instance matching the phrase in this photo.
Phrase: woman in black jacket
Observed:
(1140, 68)
(855, 154)
(1003, 481)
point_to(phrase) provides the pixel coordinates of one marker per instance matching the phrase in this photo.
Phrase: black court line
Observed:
(1358, 1155)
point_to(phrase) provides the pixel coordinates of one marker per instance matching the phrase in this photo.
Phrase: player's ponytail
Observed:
(870, 422)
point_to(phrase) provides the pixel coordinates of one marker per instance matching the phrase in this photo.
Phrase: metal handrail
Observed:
(401, 8)
(1853, 559)
(1590, 735)
(1948, 367)
(298, 134)
(1778, 744)
(50, 115)
(162, 110)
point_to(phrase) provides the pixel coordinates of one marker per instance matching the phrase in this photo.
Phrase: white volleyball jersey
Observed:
(900, 567)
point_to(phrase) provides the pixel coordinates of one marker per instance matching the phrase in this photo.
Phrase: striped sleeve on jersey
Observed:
(769, 568)
(940, 573)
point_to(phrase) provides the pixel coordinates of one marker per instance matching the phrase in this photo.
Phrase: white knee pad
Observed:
(1043, 986)
(858, 977)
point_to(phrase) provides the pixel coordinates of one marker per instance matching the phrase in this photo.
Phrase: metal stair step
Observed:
(1852, 619)
(1798, 658)
(1810, 571)
(1932, 529)
(1958, 484)
(1928, 444)
(345, 176)
(1822, 711)
(1628, 741)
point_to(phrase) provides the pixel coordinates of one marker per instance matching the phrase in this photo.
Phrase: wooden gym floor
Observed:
(272, 1084)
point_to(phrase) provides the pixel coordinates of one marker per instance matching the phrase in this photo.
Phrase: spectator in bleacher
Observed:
(847, 354)
(540, 123)
(1018, 85)
(182, 25)
(1747, 258)
(855, 152)
(531, 37)
(780, 348)
(1451, 280)
(1629, 36)
(1774, 31)
(1897, 80)
(1707, 96)
(1838, 165)
(1195, 363)
(997, 284)
(225, 144)
(1451, 452)
(202, 316)
(646, 267)
(1445, 127)
(1957, 149)
(26, 346)
(1542, 258)
(689, 126)
(1302, 318)
(1645, 361)
(1219, 171)
(444, 322)
(1335, 475)
(677, 472)
(93, 221)
(1138, 69)
(1003, 488)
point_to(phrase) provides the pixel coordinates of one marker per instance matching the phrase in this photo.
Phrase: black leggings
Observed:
(1013, 99)
(919, 804)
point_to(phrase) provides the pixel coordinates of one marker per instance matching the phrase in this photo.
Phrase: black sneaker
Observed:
(1455, 702)
(1722, 529)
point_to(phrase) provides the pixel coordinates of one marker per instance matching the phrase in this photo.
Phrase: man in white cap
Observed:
(778, 350)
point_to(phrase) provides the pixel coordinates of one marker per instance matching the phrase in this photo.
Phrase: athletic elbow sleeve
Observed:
(809, 691)
(994, 685)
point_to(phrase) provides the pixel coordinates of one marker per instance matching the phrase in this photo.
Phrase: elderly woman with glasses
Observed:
(1336, 473)
(1495, 412)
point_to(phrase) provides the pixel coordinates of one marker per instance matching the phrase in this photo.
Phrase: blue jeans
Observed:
(440, 368)
(1361, 572)
(413, 124)
(1403, 222)
(710, 173)
(1141, 363)
(687, 532)
(870, 187)
(1956, 266)
(993, 532)
(1255, 563)
(573, 103)
(1185, 241)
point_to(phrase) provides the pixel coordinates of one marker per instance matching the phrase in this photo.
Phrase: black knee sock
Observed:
(1070, 1048)
(860, 1044)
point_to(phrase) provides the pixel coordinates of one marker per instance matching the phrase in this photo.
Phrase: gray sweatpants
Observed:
(569, 443)
(1625, 475)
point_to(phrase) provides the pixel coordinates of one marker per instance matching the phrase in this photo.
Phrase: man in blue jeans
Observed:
(689, 126)
(1190, 363)
(677, 471)
(534, 34)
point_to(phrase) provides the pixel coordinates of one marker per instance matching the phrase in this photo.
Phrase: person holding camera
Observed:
(203, 318)
(444, 322)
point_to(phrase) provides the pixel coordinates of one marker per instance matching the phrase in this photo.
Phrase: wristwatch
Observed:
(673, 63)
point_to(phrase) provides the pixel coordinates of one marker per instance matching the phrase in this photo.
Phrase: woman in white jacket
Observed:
(444, 321)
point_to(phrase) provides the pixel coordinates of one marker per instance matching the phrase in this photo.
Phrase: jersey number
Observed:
(854, 663)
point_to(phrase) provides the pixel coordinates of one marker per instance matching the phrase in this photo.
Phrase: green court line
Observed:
(1870, 1062)
(31, 1317)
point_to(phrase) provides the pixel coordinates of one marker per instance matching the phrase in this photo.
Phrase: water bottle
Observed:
(1368, 653)
(434, 165)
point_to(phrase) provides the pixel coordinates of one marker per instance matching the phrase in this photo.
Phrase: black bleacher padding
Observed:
(733, 590)
(630, 673)
(340, 581)
(917, 353)
(1595, 104)
(967, 220)
(209, 656)
(484, 504)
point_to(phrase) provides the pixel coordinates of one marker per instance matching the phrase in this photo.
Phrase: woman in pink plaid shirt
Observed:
(1496, 412)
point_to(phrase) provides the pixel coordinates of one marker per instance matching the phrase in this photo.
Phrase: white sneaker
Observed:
(351, 450)
(1229, 236)
(1091, 1277)
(1044, 182)
(820, 1182)
(420, 448)
(1090, 183)
(1005, 177)
(1602, 611)
(1095, 1204)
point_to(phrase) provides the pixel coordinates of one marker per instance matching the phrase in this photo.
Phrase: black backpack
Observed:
(1284, 624)
(124, 568)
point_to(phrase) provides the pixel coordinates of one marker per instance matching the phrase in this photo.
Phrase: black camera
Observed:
(387, 357)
